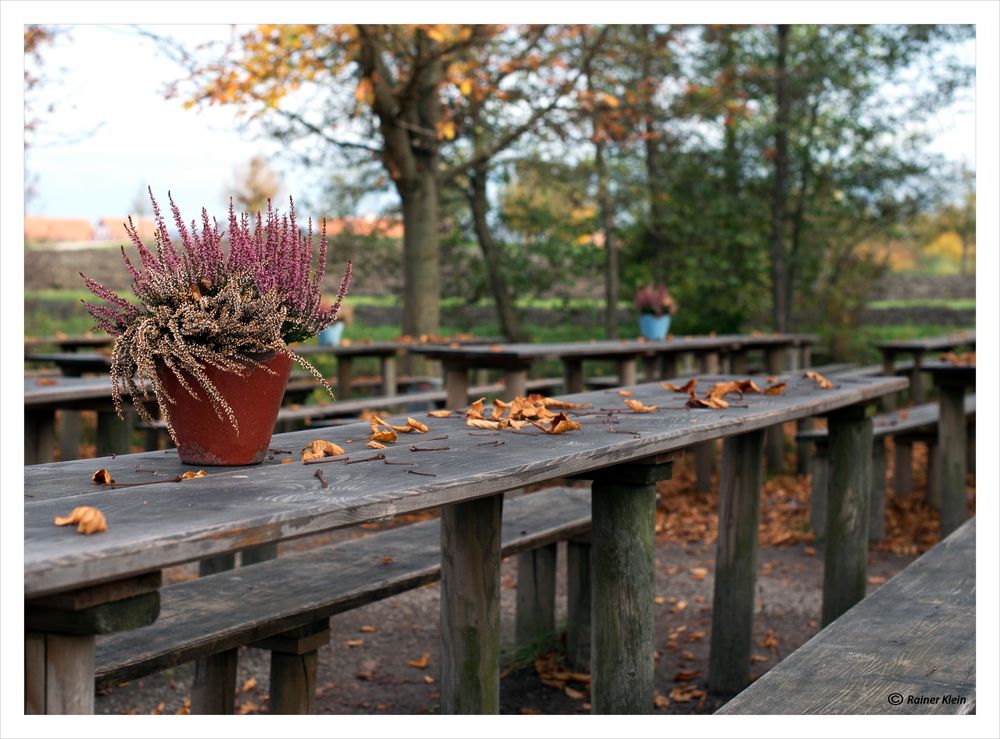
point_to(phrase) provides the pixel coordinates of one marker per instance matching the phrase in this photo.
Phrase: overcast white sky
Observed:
(108, 75)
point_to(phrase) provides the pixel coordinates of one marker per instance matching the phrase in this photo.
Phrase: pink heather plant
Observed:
(656, 300)
(201, 305)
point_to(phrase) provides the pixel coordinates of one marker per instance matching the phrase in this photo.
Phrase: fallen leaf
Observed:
(525, 711)
(425, 659)
(714, 403)
(383, 435)
(698, 573)
(89, 520)
(695, 636)
(574, 694)
(660, 700)
(185, 709)
(679, 606)
(411, 425)
(375, 445)
(367, 629)
(769, 641)
(245, 708)
(475, 410)
(687, 387)
(875, 580)
(46, 381)
(755, 658)
(158, 711)
(102, 477)
(626, 393)
(659, 600)
(439, 414)
(809, 552)
(428, 679)
(249, 685)
(823, 383)
(368, 668)
(289, 460)
(386, 560)
(481, 423)
(684, 676)
(777, 389)
(638, 407)
(563, 404)
(319, 448)
(353, 642)
(191, 475)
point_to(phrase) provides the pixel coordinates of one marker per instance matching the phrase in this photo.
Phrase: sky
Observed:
(109, 78)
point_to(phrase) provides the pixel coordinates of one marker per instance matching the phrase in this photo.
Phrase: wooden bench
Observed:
(908, 648)
(277, 605)
(918, 423)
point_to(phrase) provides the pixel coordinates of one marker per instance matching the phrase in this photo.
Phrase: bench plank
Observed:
(914, 636)
(893, 423)
(224, 611)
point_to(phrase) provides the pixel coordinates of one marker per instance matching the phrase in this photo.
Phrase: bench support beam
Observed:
(847, 512)
(294, 656)
(876, 526)
(578, 604)
(820, 489)
(535, 622)
(470, 606)
(736, 563)
(214, 688)
(951, 455)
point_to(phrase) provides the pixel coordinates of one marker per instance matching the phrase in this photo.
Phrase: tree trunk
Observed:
(610, 248)
(657, 246)
(780, 194)
(510, 324)
(421, 271)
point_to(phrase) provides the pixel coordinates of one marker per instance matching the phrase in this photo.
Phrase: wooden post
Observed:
(932, 488)
(113, 434)
(820, 489)
(390, 378)
(847, 517)
(623, 502)
(738, 361)
(470, 606)
(572, 375)
(515, 382)
(736, 563)
(888, 370)
(294, 655)
(902, 469)
(69, 435)
(39, 435)
(803, 449)
(578, 603)
(704, 461)
(970, 447)
(710, 362)
(626, 372)
(805, 356)
(650, 368)
(876, 526)
(535, 622)
(774, 359)
(344, 377)
(214, 688)
(456, 384)
(59, 639)
(917, 394)
(669, 366)
(951, 454)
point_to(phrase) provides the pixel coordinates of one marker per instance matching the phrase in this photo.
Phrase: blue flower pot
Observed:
(330, 336)
(652, 327)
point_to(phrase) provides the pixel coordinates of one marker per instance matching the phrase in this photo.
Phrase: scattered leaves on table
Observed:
(687, 387)
(968, 359)
(439, 414)
(88, 520)
(376, 445)
(776, 389)
(816, 377)
(320, 448)
(625, 393)
(411, 424)
(102, 477)
(638, 407)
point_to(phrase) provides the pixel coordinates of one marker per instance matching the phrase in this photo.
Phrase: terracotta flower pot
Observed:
(204, 439)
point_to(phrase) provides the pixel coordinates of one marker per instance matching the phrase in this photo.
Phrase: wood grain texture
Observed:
(876, 508)
(736, 563)
(39, 435)
(915, 418)
(578, 604)
(902, 474)
(951, 454)
(244, 606)
(622, 598)
(470, 606)
(535, 617)
(847, 511)
(819, 490)
(572, 375)
(915, 636)
(213, 690)
(157, 525)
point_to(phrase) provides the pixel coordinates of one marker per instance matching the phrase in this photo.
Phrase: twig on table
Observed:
(338, 458)
(387, 461)
(368, 459)
(495, 442)
(425, 474)
(429, 448)
(322, 480)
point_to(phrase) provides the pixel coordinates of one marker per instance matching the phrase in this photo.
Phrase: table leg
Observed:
(951, 456)
(803, 449)
(738, 362)
(847, 517)
(69, 435)
(623, 502)
(389, 376)
(669, 366)
(805, 357)
(902, 469)
(456, 383)
(39, 435)
(578, 603)
(515, 383)
(650, 367)
(626, 372)
(344, 377)
(470, 606)
(876, 525)
(704, 461)
(820, 489)
(710, 363)
(774, 359)
(573, 375)
(888, 370)
(736, 563)
(113, 434)
(59, 673)
(294, 656)
(535, 620)
(917, 393)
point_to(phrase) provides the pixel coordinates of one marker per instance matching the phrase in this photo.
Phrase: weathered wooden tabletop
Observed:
(965, 373)
(161, 524)
(929, 344)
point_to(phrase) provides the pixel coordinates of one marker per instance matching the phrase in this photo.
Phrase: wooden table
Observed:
(44, 396)
(76, 586)
(918, 348)
(953, 381)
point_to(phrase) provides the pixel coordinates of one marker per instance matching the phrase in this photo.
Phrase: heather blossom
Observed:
(202, 305)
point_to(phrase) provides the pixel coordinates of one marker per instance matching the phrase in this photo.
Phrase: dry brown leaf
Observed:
(367, 629)
(249, 685)
(386, 560)
(574, 694)
(679, 606)
(353, 642)
(561, 424)
(625, 393)
(748, 386)
(638, 407)
(46, 381)
(769, 641)
(564, 404)
(102, 477)
(288, 460)
(660, 700)
(375, 445)
(687, 387)
(698, 573)
(823, 383)
(383, 435)
(89, 520)
(475, 410)
(777, 389)
(481, 423)
(714, 403)
(439, 414)
(428, 679)
(499, 408)
(420, 664)
(190, 475)
(319, 448)
(525, 711)
(684, 676)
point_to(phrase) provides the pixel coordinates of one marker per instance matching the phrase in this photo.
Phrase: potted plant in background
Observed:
(212, 328)
(332, 334)
(656, 307)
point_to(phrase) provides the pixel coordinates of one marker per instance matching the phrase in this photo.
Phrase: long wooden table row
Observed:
(153, 526)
